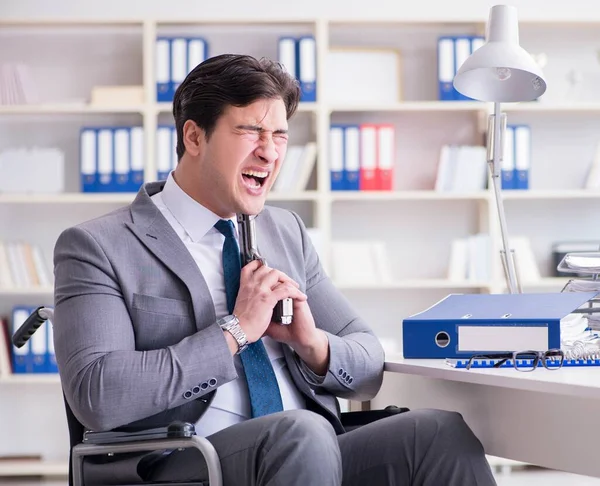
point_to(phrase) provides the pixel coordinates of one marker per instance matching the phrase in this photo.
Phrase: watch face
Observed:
(226, 320)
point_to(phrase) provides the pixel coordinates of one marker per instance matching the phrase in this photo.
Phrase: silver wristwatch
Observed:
(231, 324)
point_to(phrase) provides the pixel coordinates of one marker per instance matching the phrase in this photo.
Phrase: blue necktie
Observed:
(265, 397)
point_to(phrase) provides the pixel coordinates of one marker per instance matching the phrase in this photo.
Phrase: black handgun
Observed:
(284, 310)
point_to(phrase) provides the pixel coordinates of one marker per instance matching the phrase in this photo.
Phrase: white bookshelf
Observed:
(34, 291)
(66, 109)
(67, 198)
(124, 198)
(416, 223)
(30, 379)
(405, 196)
(429, 106)
(414, 284)
(18, 468)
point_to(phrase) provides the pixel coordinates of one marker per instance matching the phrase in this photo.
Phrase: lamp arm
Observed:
(496, 130)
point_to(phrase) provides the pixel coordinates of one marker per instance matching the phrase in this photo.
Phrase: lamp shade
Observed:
(501, 70)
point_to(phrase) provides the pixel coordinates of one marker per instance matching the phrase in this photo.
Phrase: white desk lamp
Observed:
(501, 71)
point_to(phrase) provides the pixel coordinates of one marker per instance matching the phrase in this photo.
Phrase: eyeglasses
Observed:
(521, 360)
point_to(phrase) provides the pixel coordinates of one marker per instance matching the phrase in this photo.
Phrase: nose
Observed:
(267, 151)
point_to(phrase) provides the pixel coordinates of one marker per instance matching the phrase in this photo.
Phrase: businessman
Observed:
(155, 320)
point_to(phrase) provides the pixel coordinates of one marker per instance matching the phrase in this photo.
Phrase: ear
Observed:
(193, 138)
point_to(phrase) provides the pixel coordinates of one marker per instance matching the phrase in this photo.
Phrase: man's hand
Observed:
(261, 288)
(310, 343)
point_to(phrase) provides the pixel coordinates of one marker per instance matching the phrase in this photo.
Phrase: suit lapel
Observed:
(155, 232)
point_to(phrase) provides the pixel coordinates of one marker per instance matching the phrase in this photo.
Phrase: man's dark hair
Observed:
(229, 80)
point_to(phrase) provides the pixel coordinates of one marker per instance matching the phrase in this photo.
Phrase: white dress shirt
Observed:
(194, 224)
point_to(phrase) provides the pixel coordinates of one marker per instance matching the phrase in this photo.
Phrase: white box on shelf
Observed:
(360, 262)
(32, 170)
(360, 75)
(117, 95)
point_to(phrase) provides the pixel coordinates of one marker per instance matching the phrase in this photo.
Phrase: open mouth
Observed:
(254, 179)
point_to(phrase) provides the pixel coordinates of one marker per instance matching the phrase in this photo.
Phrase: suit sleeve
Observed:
(106, 382)
(356, 357)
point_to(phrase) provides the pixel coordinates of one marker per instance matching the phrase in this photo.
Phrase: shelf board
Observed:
(66, 108)
(18, 291)
(401, 284)
(70, 21)
(405, 195)
(260, 20)
(550, 194)
(34, 468)
(168, 107)
(550, 283)
(546, 282)
(293, 196)
(31, 379)
(409, 284)
(68, 198)
(475, 106)
(122, 198)
(432, 106)
(535, 106)
(412, 284)
(401, 106)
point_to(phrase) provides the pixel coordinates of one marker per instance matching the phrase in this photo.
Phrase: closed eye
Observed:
(280, 133)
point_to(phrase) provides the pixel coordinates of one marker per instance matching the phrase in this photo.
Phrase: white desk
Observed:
(546, 418)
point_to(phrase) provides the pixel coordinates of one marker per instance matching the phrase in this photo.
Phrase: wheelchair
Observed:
(175, 435)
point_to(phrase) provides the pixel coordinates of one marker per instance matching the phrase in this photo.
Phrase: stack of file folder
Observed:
(112, 159)
(463, 325)
(166, 153)
(452, 52)
(362, 157)
(299, 57)
(516, 163)
(37, 355)
(176, 57)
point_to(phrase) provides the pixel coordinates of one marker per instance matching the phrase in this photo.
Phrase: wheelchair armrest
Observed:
(177, 435)
(175, 430)
(353, 420)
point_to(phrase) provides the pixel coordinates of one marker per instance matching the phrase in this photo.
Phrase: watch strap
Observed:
(231, 324)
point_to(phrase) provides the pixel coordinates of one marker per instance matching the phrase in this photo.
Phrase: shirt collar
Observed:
(195, 219)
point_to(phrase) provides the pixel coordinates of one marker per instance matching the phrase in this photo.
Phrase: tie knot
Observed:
(225, 226)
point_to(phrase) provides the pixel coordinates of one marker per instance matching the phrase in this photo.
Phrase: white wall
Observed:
(389, 9)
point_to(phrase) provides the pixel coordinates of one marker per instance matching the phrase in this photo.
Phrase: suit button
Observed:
(212, 382)
(340, 372)
(204, 386)
(344, 375)
(187, 394)
(196, 390)
(350, 380)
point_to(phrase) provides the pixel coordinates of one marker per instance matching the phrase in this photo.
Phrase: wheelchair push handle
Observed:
(31, 324)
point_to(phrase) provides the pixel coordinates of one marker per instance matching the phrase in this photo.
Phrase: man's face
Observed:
(242, 158)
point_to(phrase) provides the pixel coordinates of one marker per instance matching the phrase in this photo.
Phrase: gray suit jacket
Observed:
(135, 329)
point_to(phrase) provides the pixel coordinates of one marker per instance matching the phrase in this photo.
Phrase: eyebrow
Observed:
(256, 128)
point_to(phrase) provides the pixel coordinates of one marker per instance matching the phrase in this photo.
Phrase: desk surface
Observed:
(576, 381)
